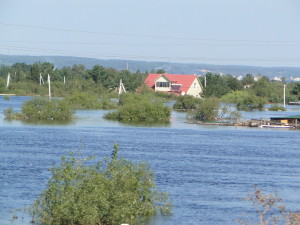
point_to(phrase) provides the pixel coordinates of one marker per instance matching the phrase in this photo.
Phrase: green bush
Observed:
(88, 101)
(42, 109)
(111, 192)
(245, 100)
(186, 102)
(275, 98)
(276, 108)
(206, 110)
(135, 107)
(9, 113)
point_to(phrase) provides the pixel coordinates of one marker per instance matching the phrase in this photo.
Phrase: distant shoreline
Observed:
(7, 94)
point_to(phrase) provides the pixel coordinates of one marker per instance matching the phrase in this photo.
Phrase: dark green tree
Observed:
(296, 90)
(248, 79)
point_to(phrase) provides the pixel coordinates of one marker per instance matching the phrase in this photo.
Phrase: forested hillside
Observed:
(143, 66)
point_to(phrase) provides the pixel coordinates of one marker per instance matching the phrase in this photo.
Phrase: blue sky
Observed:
(234, 32)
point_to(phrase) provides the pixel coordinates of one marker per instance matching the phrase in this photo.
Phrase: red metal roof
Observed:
(185, 80)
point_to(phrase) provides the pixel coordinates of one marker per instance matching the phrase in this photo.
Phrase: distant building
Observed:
(175, 83)
(291, 120)
(277, 79)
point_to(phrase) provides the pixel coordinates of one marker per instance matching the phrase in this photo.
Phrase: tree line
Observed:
(25, 79)
(272, 91)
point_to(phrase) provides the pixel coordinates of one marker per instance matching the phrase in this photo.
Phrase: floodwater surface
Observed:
(207, 171)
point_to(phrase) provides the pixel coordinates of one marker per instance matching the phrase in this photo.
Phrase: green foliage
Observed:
(25, 79)
(156, 95)
(217, 85)
(186, 102)
(112, 192)
(226, 113)
(110, 78)
(248, 79)
(244, 100)
(274, 98)
(136, 107)
(42, 109)
(292, 98)
(40, 68)
(23, 88)
(8, 113)
(207, 110)
(276, 108)
(296, 91)
(88, 101)
(263, 88)
(11, 115)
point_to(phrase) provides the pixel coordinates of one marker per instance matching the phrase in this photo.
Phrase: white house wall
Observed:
(162, 79)
(195, 89)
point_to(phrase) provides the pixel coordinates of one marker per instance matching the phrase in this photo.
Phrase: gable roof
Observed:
(162, 75)
(185, 80)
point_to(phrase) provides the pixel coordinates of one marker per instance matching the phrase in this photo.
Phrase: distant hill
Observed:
(133, 66)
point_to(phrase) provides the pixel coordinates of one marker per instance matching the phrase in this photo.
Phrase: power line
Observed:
(164, 44)
(146, 36)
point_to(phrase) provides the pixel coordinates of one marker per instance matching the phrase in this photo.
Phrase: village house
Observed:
(178, 84)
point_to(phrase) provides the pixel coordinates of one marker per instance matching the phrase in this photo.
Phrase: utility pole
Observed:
(284, 95)
(41, 79)
(8, 80)
(49, 86)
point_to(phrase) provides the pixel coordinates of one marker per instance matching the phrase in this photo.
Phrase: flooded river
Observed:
(207, 170)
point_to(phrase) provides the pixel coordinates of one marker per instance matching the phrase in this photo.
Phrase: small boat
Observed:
(277, 126)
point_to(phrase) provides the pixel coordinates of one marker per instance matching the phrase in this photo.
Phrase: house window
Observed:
(162, 84)
(195, 85)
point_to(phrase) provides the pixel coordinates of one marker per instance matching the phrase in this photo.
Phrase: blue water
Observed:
(206, 170)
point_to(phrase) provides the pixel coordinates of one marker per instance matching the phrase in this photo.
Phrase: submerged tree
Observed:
(270, 209)
(111, 192)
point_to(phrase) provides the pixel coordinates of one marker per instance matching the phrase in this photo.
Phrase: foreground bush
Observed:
(135, 107)
(42, 109)
(111, 192)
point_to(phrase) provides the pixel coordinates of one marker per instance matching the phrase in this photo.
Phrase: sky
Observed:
(232, 32)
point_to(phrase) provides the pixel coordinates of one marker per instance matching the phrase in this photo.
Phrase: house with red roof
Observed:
(178, 84)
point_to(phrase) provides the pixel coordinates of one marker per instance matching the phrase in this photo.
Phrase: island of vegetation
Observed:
(137, 107)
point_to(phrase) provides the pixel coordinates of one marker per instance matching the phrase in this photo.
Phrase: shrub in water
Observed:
(276, 108)
(89, 101)
(186, 102)
(207, 110)
(42, 109)
(83, 101)
(245, 100)
(135, 107)
(112, 192)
